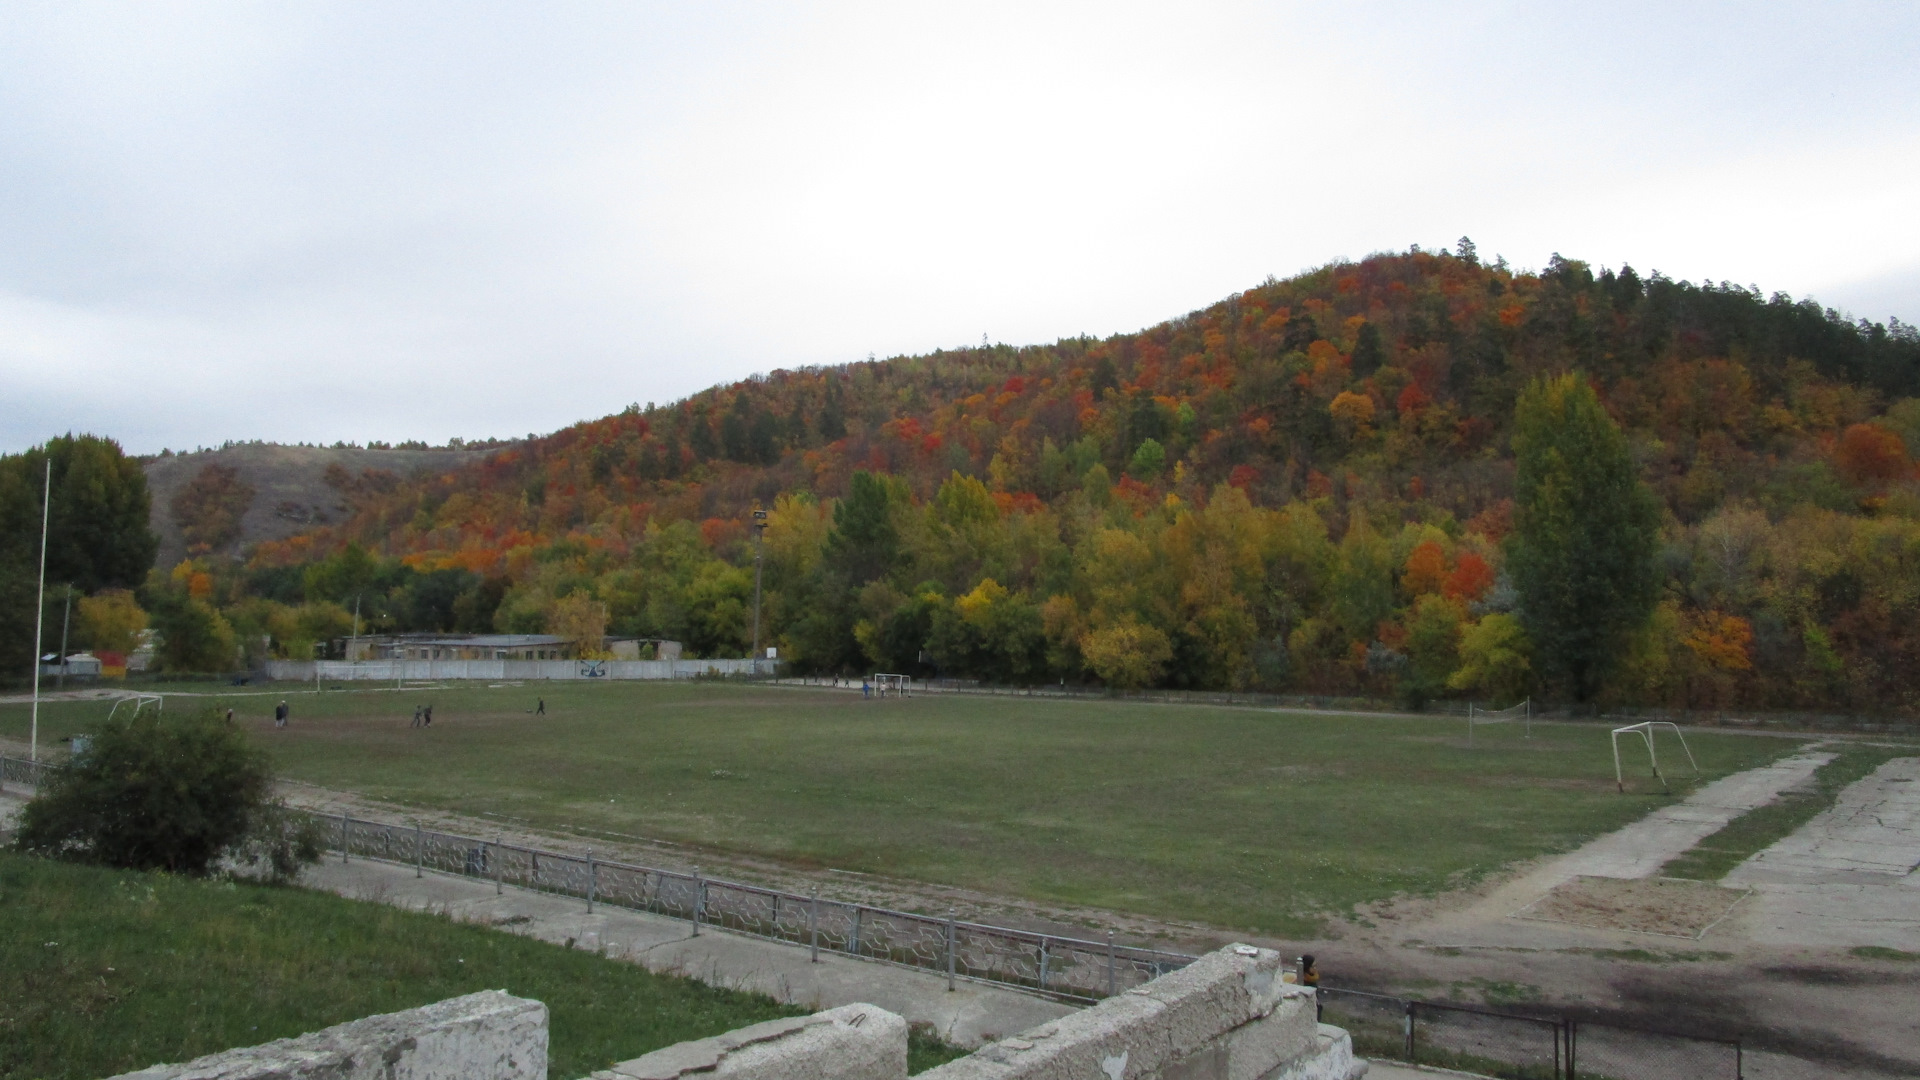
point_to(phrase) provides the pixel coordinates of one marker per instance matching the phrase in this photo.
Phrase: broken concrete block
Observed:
(852, 1042)
(490, 1035)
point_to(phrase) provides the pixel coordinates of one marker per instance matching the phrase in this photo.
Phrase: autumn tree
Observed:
(111, 620)
(1494, 659)
(1586, 532)
(1433, 648)
(1127, 654)
(581, 621)
(1871, 454)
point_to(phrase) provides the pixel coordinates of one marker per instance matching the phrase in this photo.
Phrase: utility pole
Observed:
(66, 621)
(759, 530)
(40, 609)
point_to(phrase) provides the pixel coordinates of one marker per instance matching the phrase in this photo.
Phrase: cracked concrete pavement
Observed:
(1850, 877)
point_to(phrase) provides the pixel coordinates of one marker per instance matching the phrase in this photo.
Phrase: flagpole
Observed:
(40, 609)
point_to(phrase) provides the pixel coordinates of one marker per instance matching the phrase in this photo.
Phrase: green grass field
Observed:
(1241, 818)
(103, 972)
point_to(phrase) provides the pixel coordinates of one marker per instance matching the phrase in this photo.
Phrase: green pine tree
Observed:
(1586, 533)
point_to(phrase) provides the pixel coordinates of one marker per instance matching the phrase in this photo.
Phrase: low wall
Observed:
(506, 670)
(1227, 1016)
(852, 1042)
(490, 1035)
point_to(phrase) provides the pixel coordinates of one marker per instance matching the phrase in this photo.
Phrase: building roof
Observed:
(479, 641)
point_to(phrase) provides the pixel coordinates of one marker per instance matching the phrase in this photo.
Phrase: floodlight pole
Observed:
(40, 608)
(66, 622)
(759, 530)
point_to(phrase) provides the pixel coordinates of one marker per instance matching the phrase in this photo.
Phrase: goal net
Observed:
(896, 685)
(1477, 716)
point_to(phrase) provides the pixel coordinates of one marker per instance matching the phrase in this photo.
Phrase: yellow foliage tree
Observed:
(111, 621)
(582, 621)
(1127, 654)
(1353, 412)
(1494, 659)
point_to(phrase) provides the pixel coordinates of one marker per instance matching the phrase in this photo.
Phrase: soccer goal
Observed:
(1645, 731)
(899, 685)
(1522, 712)
(139, 701)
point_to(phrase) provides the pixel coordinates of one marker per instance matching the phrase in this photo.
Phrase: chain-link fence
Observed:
(1072, 969)
(1511, 1046)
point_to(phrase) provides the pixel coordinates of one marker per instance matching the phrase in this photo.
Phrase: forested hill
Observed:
(1193, 504)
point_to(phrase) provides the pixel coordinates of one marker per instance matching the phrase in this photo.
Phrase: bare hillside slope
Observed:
(291, 493)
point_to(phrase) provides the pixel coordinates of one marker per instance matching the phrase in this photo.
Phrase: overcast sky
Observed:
(389, 220)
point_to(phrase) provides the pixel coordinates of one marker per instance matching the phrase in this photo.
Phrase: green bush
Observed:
(160, 793)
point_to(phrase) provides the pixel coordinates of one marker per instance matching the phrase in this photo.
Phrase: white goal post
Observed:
(1522, 712)
(901, 685)
(1645, 731)
(140, 701)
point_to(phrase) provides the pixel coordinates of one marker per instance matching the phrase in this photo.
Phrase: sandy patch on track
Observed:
(1670, 907)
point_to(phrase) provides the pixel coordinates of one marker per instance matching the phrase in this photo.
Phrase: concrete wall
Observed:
(852, 1042)
(1227, 1016)
(498, 670)
(1330, 1059)
(486, 1036)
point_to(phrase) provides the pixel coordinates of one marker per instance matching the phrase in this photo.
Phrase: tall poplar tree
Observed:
(1585, 537)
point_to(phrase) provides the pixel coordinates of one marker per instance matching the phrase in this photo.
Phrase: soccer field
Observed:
(1241, 818)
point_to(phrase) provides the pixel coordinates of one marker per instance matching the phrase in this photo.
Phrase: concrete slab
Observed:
(1850, 876)
(971, 1015)
(1640, 849)
(1874, 826)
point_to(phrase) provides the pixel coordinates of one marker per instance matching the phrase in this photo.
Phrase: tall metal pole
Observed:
(66, 621)
(40, 609)
(759, 529)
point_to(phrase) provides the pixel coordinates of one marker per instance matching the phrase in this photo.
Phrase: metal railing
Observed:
(21, 772)
(1512, 1046)
(1509, 1046)
(1071, 969)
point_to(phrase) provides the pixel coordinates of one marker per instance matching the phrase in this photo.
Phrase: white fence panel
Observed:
(503, 670)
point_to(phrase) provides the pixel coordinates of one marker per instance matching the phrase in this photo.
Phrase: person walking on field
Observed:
(542, 710)
(416, 716)
(429, 717)
(280, 715)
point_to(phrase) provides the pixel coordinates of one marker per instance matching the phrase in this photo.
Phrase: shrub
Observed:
(154, 793)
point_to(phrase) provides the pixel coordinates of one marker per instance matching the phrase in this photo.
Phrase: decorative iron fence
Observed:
(1512, 1046)
(1072, 969)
